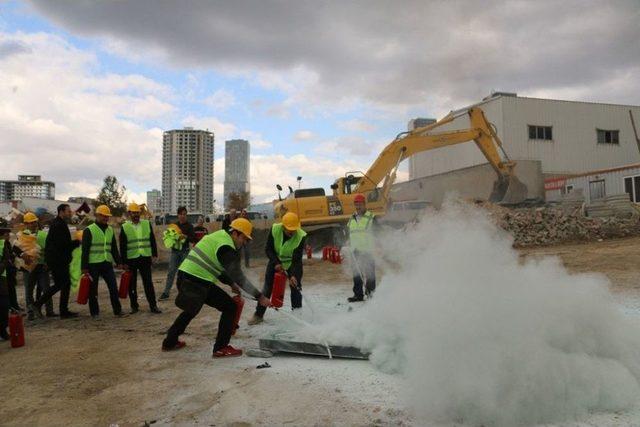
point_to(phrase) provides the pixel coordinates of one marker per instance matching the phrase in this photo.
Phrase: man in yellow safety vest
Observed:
(214, 260)
(39, 277)
(99, 252)
(362, 227)
(138, 245)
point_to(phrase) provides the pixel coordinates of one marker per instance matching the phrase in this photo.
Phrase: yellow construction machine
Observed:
(315, 208)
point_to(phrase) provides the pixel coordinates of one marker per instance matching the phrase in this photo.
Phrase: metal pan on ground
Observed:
(312, 349)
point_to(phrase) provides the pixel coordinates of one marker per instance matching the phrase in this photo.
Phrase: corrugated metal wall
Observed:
(574, 148)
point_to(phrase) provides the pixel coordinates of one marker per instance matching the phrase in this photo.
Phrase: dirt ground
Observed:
(86, 372)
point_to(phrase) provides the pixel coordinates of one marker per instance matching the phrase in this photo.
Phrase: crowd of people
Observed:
(200, 263)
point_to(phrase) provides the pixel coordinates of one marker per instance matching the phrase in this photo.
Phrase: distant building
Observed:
(236, 168)
(27, 186)
(187, 170)
(32, 204)
(154, 201)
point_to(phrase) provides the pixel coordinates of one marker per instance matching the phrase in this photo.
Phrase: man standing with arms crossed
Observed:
(57, 255)
(138, 245)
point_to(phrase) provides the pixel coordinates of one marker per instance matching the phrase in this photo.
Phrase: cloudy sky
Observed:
(87, 88)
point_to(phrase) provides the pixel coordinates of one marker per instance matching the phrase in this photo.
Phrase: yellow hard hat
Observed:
(133, 207)
(78, 235)
(29, 217)
(242, 225)
(103, 210)
(291, 221)
(175, 228)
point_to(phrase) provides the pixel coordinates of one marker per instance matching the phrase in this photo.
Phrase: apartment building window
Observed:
(540, 132)
(608, 136)
(632, 187)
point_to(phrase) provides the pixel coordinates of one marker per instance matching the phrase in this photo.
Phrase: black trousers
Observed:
(12, 283)
(216, 298)
(142, 265)
(62, 283)
(4, 308)
(365, 266)
(104, 270)
(296, 295)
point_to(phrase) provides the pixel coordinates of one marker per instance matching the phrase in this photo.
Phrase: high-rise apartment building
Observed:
(154, 201)
(236, 168)
(27, 186)
(187, 170)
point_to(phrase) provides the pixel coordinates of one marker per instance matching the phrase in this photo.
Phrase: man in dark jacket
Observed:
(5, 261)
(57, 254)
(178, 255)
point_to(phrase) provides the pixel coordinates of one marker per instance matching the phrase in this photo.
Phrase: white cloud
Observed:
(304, 135)
(356, 125)
(222, 131)
(221, 100)
(255, 139)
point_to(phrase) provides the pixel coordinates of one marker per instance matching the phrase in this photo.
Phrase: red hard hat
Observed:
(359, 198)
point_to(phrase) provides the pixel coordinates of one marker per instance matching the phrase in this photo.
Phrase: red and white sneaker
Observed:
(178, 346)
(227, 351)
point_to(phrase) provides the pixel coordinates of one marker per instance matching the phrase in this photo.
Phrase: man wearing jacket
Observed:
(57, 255)
(138, 245)
(39, 276)
(99, 252)
(214, 260)
(178, 255)
(285, 246)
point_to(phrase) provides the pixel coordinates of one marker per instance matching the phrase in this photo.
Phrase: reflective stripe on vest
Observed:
(202, 261)
(285, 250)
(100, 250)
(138, 238)
(360, 233)
(4, 273)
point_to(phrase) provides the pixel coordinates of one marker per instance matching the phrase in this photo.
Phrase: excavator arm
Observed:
(429, 137)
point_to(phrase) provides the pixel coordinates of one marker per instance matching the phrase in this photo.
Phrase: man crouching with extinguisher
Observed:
(215, 259)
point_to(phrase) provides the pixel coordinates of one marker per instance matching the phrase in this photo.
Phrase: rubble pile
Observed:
(551, 225)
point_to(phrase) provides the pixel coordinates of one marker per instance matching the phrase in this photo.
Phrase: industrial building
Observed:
(236, 168)
(154, 201)
(27, 186)
(548, 138)
(187, 170)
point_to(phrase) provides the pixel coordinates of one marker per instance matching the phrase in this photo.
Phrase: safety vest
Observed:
(202, 260)
(75, 268)
(41, 240)
(138, 239)
(100, 244)
(4, 272)
(285, 250)
(360, 233)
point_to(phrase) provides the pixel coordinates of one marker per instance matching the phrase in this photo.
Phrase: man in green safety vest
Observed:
(285, 246)
(362, 227)
(214, 260)
(39, 277)
(99, 252)
(138, 245)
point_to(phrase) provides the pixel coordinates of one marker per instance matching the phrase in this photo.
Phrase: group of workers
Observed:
(201, 263)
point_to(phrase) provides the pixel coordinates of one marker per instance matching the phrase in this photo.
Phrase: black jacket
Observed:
(58, 246)
(187, 230)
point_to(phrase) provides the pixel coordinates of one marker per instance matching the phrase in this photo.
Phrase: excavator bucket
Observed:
(508, 190)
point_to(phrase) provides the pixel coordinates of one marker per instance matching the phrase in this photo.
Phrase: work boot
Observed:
(4, 334)
(163, 297)
(37, 310)
(155, 310)
(134, 310)
(51, 314)
(68, 315)
(255, 320)
(30, 315)
(227, 351)
(355, 299)
(177, 346)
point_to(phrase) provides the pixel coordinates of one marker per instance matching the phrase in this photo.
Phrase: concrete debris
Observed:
(552, 225)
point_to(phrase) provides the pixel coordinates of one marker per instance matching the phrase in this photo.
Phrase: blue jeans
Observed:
(174, 262)
(104, 270)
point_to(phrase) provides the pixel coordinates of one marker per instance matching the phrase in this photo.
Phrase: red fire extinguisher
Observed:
(125, 279)
(309, 253)
(83, 290)
(16, 329)
(325, 253)
(335, 255)
(239, 306)
(277, 291)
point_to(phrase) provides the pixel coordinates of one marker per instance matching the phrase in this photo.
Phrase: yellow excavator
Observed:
(315, 208)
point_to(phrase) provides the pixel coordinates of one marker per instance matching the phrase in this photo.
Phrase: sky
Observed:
(318, 88)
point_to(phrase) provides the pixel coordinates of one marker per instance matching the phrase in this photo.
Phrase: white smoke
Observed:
(486, 339)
